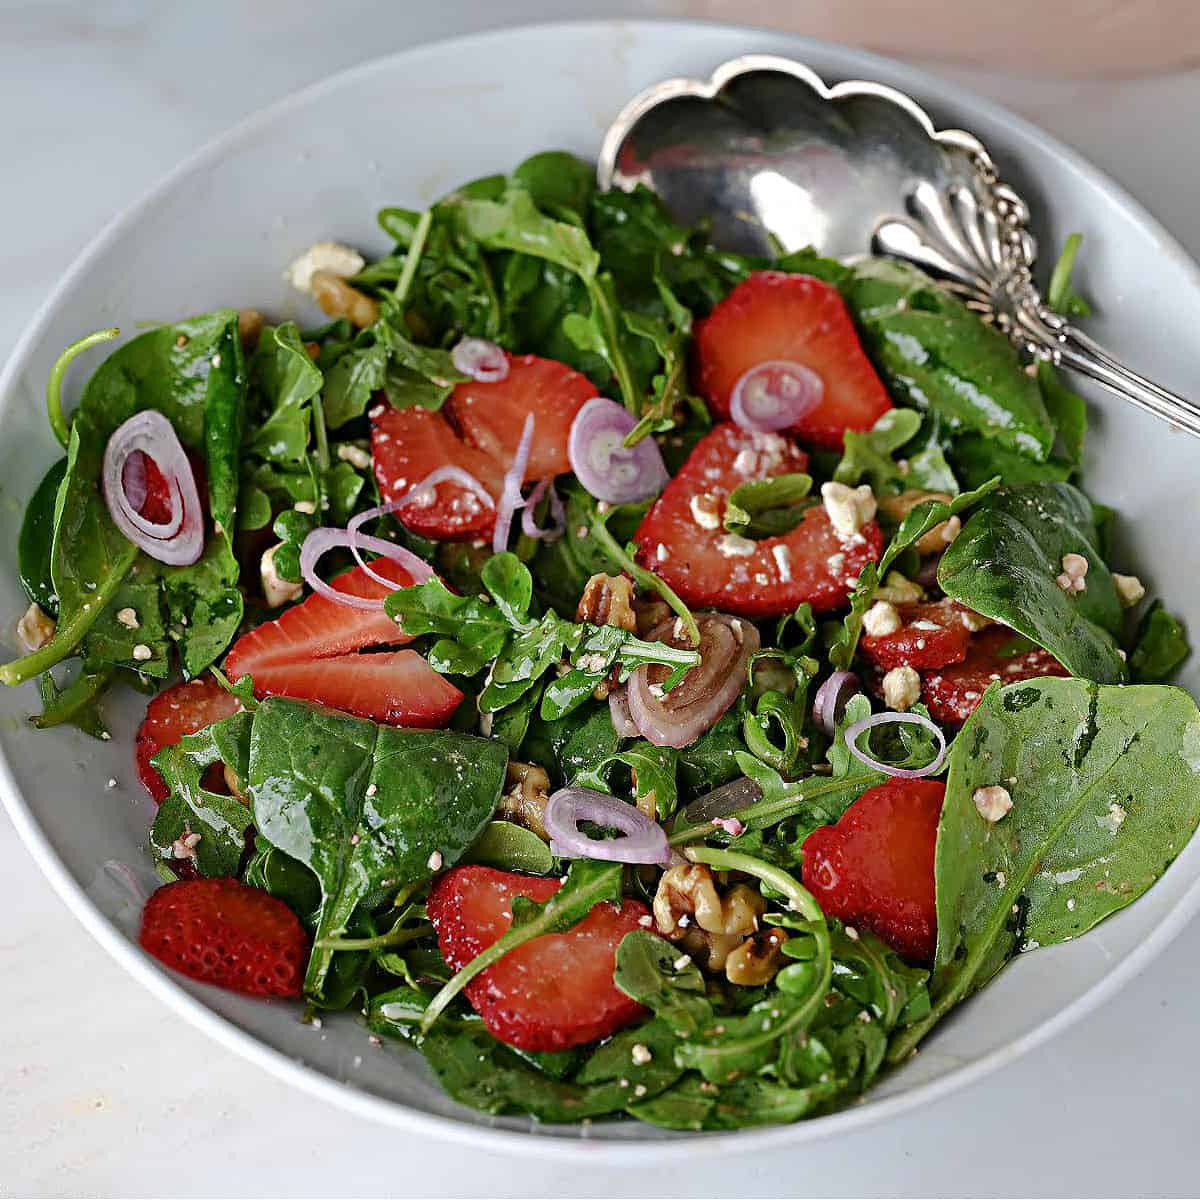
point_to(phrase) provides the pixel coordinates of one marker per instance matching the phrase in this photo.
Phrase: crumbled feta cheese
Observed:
(640, 1054)
(783, 560)
(899, 590)
(128, 617)
(682, 962)
(1130, 589)
(881, 619)
(993, 803)
(949, 530)
(323, 256)
(142, 652)
(356, 456)
(184, 846)
(591, 663)
(926, 626)
(705, 510)
(974, 621)
(661, 553)
(35, 628)
(852, 933)
(646, 921)
(901, 688)
(1073, 579)
(733, 545)
(372, 789)
(640, 1090)
(434, 862)
(308, 507)
(276, 590)
(849, 508)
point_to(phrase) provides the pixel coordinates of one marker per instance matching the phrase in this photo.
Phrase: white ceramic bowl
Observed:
(401, 131)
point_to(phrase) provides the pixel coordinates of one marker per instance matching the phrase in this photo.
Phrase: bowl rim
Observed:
(346, 1095)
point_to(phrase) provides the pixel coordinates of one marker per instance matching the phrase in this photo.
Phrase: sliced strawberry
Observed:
(478, 430)
(874, 868)
(795, 318)
(221, 931)
(551, 993)
(171, 715)
(311, 653)
(491, 416)
(996, 655)
(933, 635)
(683, 541)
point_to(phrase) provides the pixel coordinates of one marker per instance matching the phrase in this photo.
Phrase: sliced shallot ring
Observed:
(324, 538)
(607, 468)
(483, 361)
(558, 514)
(618, 709)
(855, 731)
(775, 395)
(840, 686)
(510, 494)
(179, 541)
(643, 840)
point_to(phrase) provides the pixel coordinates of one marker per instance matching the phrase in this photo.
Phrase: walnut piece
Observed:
(608, 600)
(526, 793)
(338, 299)
(757, 959)
(940, 536)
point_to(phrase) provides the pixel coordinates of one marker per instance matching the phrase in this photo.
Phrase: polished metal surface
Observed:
(775, 159)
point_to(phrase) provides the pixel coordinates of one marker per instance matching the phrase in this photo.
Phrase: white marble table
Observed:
(102, 1091)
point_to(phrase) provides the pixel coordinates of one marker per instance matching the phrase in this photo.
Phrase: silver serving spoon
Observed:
(774, 157)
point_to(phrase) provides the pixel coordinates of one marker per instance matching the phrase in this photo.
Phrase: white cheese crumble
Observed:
(733, 545)
(899, 590)
(901, 688)
(356, 456)
(994, 803)
(881, 619)
(1073, 579)
(661, 553)
(128, 617)
(974, 621)
(640, 1054)
(434, 862)
(276, 590)
(705, 510)
(1130, 589)
(305, 506)
(35, 628)
(783, 560)
(323, 256)
(849, 508)
(142, 652)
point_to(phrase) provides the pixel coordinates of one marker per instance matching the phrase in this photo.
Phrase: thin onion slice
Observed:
(643, 840)
(510, 494)
(179, 541)
(855, 731)
(483, 361)
(607, 468)
(729, 798)
(618, 709)
(775, 395)
(830, 701)
(324, 538)
(678, 717)
(558, 514)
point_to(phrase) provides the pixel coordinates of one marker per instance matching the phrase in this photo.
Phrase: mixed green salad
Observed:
(646, 679)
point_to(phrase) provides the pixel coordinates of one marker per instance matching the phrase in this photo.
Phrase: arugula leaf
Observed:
(652, 773)
(695, 1104)
(287, 379)
(1161, 646)
(36, 539)
(712, 759)
(920, 520)
(222, 821)
(76, 704)
(646, 972)
(939, 356)
(365, 806)
(670, 335)
(588, 883)
(768, 507)
(1004, 565)
(1105, 783)
(557, 181)
(353, 378)
(871, 453)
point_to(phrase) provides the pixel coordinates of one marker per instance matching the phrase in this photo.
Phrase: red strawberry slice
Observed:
(170, 716)
(774, 316)
(478, 429)
(221, 931)
(311, 653)
(996, 655)
(933, 635)
(551, 993)
(491, 416)
(874, 868)
(682, 538)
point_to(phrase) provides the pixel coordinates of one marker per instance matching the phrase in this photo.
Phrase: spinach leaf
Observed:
(353, 378)
(221, 821)
(1004, 565)
(1105, 786)
(511, 848)
(36, 539)
(920, 520)
(286, 379)
(977, 459)
(712, 759)
(646, 971)
(76, 704)
(938, 356)
(557, 181)
(1161, 647)
(588, 883)
(696, 1104)
(367, 808)
(768, 507)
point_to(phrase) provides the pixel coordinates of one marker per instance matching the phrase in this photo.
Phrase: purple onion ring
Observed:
(325, 538)
(643, 840)
(607, 468)
(558, 514)
(830, 701)
(775, 395)
(855, 731)
(483, 361)
(510, 494)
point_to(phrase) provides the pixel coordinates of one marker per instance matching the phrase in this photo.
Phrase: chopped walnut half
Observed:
(757, 959)
(940, 536)
(250, 324)
(338, 299)
(608, 600)
(689, 891)
(651, 612)
(527, 791)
